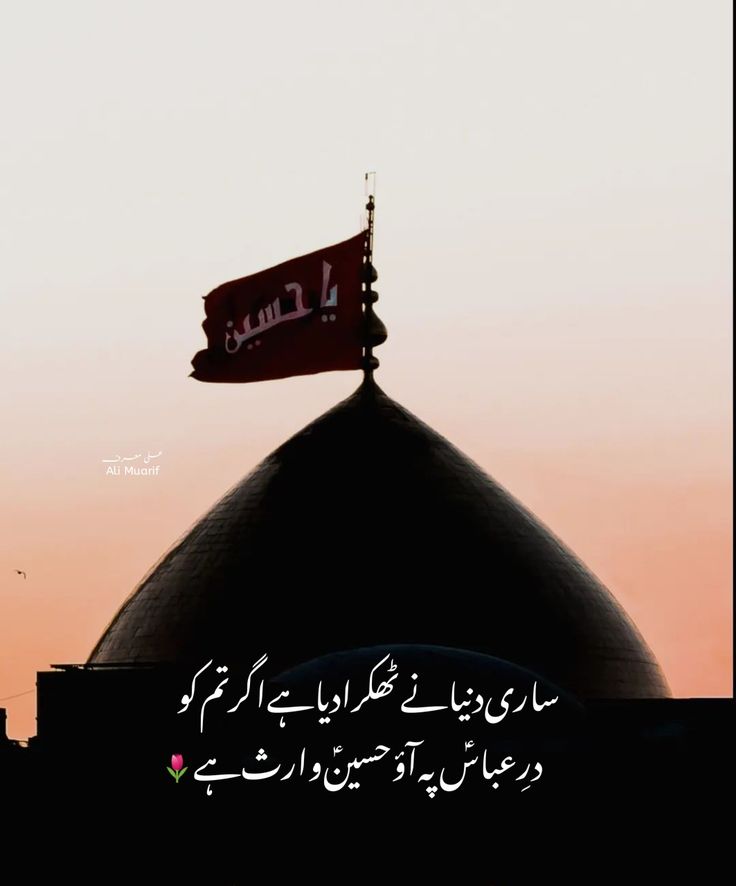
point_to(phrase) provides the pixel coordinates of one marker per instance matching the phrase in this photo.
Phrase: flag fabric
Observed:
(297, 318)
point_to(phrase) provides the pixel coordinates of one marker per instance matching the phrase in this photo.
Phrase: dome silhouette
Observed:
(368, 528)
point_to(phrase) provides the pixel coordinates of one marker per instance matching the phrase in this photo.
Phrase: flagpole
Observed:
(374, 330)
(369, 361)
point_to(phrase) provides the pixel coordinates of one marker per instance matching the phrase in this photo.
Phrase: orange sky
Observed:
(553, 244)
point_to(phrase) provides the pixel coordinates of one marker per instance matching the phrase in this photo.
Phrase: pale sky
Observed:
(553, 243)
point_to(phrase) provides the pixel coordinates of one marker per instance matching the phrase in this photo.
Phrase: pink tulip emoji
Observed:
(177, 768)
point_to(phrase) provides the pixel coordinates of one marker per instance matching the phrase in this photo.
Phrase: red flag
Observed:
(300, 317)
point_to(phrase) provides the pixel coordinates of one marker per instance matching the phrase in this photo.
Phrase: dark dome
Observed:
(368, 528)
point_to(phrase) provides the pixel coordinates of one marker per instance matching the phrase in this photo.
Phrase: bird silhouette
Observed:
(20, 572)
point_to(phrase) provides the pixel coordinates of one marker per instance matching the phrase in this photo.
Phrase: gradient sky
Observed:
(553, 242)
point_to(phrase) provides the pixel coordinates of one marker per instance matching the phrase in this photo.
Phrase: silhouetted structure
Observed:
(367, 534)
(367, 498)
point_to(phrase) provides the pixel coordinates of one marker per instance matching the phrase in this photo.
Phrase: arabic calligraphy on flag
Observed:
(297, 318)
